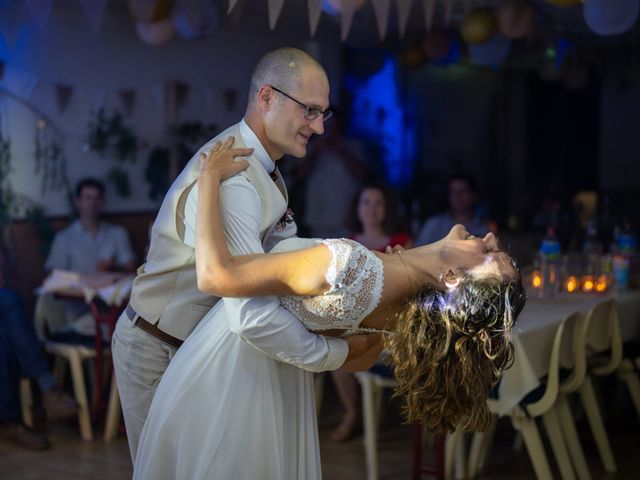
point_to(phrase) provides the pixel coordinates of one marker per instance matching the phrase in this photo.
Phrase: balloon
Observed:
(334, 7)
(565, 3)
(611, 17)
(479, 26)
(156, 33)
(515, 18)
(150, 10)
(196, 19)
(491, 53)
(436, 44)
(413, 57)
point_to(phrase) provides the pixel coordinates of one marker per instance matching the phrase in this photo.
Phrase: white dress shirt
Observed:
(262, 321)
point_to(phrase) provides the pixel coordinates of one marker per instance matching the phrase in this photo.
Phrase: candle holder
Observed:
(588, 283)
(572, 284)
(602, 283)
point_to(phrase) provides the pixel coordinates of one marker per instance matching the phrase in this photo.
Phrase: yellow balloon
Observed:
(565, 3)
(479, 26)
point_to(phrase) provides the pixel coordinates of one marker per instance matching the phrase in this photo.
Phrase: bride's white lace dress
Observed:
(225, 410)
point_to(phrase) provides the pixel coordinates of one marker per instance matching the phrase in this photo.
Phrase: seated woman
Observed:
(225, 410)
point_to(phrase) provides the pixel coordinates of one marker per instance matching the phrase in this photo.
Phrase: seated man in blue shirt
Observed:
(462, 202)
(87, 245)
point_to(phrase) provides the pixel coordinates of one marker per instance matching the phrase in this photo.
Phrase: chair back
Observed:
(604, 334)
(547, 400)
(578, 324)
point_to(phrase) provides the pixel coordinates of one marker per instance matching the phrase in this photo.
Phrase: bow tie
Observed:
(274, 175)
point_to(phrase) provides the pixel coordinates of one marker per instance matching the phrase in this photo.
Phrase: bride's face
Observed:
(481, 257)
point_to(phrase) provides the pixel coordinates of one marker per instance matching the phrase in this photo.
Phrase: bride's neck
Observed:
(424, 265)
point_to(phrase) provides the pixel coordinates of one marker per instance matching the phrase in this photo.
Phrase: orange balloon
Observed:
(479, 26)
(515, 18)
(413, 57)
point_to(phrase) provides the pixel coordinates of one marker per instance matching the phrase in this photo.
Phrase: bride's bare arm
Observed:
(301, 272)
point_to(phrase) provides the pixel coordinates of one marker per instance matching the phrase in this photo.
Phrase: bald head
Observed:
(283, 69)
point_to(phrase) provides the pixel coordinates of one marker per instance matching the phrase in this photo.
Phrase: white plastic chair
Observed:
(372, 387)
(603, 320)
(524, 421)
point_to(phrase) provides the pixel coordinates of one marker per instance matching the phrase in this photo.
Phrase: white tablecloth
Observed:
(535, 330)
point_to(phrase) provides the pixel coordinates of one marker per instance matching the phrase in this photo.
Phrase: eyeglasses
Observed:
(310, 113)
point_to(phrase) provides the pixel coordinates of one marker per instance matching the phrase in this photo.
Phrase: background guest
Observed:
(463, 197)
(375, 224)
(21, 356)
(87, 245)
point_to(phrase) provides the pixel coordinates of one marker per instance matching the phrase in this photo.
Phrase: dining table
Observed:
(534, 332)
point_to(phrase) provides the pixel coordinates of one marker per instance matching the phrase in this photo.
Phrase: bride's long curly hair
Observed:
(449, 349)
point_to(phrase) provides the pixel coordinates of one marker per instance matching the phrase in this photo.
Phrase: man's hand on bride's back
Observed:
(364, 350)
(221, 161)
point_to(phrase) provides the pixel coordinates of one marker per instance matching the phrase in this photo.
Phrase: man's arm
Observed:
(262, 321)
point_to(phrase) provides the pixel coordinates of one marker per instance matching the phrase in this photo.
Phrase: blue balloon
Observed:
(492, 52)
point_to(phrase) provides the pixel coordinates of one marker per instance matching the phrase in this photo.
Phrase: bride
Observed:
(225, 410)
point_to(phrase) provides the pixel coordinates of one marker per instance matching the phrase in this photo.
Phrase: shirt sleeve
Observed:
(124, 252)
(262, 321)
(59, 254)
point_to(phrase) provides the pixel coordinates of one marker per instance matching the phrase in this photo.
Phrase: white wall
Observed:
(67, 51)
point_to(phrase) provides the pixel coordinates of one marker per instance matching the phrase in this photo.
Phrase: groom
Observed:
(288, 103)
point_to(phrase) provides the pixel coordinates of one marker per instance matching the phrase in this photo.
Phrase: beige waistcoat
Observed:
(165, 291)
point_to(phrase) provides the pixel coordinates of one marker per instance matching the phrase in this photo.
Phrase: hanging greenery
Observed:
(108, 135)
(50, 163)
(190, 136)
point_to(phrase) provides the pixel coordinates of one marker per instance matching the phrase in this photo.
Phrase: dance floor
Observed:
(71, 458)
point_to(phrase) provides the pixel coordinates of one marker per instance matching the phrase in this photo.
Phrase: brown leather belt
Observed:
(151, 329)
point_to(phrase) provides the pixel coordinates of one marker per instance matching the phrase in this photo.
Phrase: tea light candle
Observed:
(588, 283)
(572, 284)
(601, 283)
(536, 279)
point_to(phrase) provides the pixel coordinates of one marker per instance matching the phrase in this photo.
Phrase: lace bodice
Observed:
(356, 278)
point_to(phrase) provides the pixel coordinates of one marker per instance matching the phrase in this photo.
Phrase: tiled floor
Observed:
(71, 458)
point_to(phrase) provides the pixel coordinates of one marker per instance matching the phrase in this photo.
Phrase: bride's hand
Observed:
(221, 163)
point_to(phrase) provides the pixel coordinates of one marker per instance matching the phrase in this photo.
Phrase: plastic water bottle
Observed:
(626, 243)
(550, 264)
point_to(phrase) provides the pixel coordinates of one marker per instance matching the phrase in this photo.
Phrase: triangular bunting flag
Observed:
(97, 98)
(128, 99)
(381, 9)
(40, 11)
(232, 4)
(63, 96)
(315, 11)
(158, 97)
(348, 9)
(275, 7)
(182, 93)
(429, 7)
(448, 12)
(230, 98)
(404, 7)
(94, 10)
(210, 95)
(11, 23)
